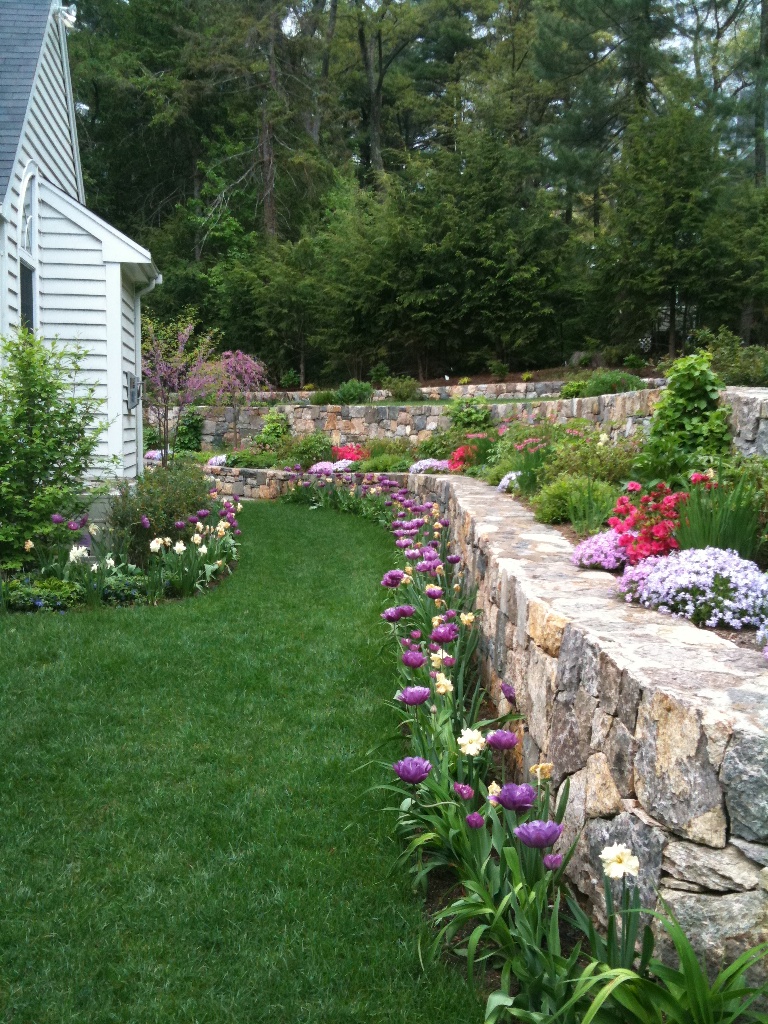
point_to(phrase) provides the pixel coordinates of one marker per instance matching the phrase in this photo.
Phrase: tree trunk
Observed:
(747, 320)
(672, 323)
(760, 83)
(374, 84)
(302, 365)
(268, 144)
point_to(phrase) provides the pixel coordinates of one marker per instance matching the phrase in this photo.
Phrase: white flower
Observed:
(155, 545)
(443, 684)
(179, 547)
(95, 567)
(109, 562)
(437, 657)
(471, 742)
(203, 549)
(467, 618)
(94, 529)
(239, 507)
(197, 539)
(28, 545)
(167, 541)
(618, 861)
(78, 554)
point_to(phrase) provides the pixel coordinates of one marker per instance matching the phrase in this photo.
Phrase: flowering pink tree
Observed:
(174, 372)
(237, 374)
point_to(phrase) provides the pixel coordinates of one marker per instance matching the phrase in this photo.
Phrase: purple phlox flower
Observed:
(413, 659)
(445, 634)
(153, 455)
(393, 578)
(56, 518)
(501, 739)
(552, 861)
(508, 691)
(180, 524)
(517, 798)
(412, 770)
(215, 460)
(434, 592)
(602, 551)
(465, 792)
(413, 695)
(453, 559)
(475, 820)
(538, 834)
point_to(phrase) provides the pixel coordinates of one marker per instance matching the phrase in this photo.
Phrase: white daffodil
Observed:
(109, 562)
(471, 742)
(443, 684)
(197, 539)
(78, 553)
(95, 567)
(203, 549)
(179, 547)
(28, 545)
(618, 861)
(155, 545)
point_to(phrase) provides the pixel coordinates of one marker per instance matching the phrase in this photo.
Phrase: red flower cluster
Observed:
(646, 529)
(459, 458)
(353, 452)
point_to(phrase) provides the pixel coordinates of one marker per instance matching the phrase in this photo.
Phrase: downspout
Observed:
(137, 297)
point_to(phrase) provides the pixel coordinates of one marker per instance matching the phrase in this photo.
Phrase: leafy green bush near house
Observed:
(355, 392)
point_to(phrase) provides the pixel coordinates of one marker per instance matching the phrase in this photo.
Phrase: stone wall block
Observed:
(545, 627)
(727, 870)
(571, 732)
(619, 748)
(744, 775)
(603, 799)
(674, 778)
(536, 694)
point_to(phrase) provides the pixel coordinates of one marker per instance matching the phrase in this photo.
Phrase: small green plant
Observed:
(403, 389)
(355, 392)
(589, 452)
(325, 397)
(385, 464)
(735, 362)
(470, 413)
(589, 505)
(551, 503)
(688, 409)
(312, 448)
(720, 516)
(309, 387)
(611, 382)
(189, 433)
(290, 381)
(465, 380)
(379, 373)
(498, 369)
(574, 388)
(41, 595)
(634, 362)
(152, 438)
(526, 377)
(274, 429)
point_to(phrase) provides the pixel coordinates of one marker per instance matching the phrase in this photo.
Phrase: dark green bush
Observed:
(551, 503)
(312, 448)
(386, 464)
(589, 453)
(40, 595)
(470, 413)
(634, 362)
(355, 392)
(324, 398)
(403, 389)
(379, 373)
(189, 436)
(574, 388)
(440, 444)
(612, 382)
(162, 496)
(290, 381)
(498, 369)
(125, 590)
(735, 363)
(151, 437)
(267, 458)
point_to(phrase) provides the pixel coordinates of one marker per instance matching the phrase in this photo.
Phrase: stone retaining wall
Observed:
(749, 418)
(361, 423)
(661, 728)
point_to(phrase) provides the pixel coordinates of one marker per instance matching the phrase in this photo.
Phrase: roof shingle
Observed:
(22, 30)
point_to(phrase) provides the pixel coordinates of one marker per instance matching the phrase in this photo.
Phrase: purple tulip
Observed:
(450, 614)
(413, 695)
(501, 739)
(402, 542)
(445, 522)
(406, 611)
(415, 634)
(552, 861)
(393, 578)
(145, 522)
(508, 691)
(413, 555)
(538, 834)
(453, 559)
(475, 820)
(445, 634)
(434, 592)
(449, 661)
(203, 512)
(412, 770)
(238, 532)
(193, 520)
(56, 518)
(391, 614)
(72, 525)
(465, 792)
(180, 524)
(413, 659)
(517, 798)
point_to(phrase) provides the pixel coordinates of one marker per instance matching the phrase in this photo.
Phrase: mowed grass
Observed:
(185, 835)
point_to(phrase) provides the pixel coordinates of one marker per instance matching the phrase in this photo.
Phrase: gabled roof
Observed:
(116, 247)
(22, 31)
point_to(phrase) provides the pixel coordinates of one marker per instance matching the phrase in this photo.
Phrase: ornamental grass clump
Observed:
(711, 587)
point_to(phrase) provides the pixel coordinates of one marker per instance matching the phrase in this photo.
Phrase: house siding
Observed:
(128, 339)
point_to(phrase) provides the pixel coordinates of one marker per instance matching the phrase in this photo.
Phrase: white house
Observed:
(64, 272)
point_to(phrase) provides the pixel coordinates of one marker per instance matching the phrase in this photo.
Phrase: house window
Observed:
(27, 221)
(27, 296)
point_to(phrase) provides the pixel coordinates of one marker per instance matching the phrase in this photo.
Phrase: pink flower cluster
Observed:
(646, 527)
(350, 452)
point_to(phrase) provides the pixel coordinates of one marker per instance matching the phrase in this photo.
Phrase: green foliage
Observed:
(575, 387)
(49, 438)
(590, 502)
(354, 392)
(162, 496)
(312, 448)
(634, 361)
(590, 453)
(440, 444)
(612, 382)
(722, 516)
(386, 464)
(688, 410)
(152, 439)
(324, 398)
(31, 594)
(498, 369)
(379, 373)
(189, 434)
(274, 429)
(734, 362)
(403, 389)
(290, 381)
(551, 503)
(470, 413)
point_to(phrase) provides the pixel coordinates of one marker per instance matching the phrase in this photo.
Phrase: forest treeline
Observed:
(435, 183)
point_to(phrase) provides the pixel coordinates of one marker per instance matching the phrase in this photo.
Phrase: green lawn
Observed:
(183, 832)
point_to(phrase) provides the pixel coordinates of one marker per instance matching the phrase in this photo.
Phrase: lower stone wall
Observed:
(749, 418)
(661, 728)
